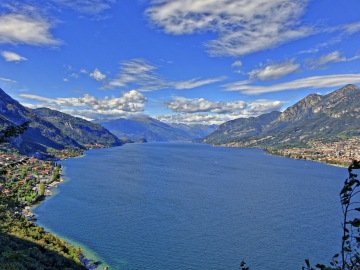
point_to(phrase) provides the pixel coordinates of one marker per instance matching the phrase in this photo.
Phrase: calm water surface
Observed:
(191, 206)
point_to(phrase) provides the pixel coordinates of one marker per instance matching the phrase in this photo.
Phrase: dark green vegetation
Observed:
(329, 117)
(83, 132)
(26, 246)
(154, 130)
(49, 129)
(22, 244)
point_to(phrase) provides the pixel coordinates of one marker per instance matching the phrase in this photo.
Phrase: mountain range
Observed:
(51, 129)
(154, 130)
(315, 117)
(332, 116)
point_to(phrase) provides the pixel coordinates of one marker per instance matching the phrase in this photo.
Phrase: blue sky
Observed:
(188, 61)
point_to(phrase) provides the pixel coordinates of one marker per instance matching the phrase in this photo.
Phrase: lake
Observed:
(193, 206)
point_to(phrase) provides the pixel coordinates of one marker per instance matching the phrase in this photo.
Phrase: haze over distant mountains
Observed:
(56, 130)
(335, 115)
(332, 116)
(154, 130)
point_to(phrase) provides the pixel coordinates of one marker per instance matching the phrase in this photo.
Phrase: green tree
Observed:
(42, 189)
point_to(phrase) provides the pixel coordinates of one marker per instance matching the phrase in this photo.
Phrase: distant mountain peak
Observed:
(313, 117)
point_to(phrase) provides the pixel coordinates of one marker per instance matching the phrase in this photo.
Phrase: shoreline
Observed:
(268, 153)
(90, 260)
(97, 261)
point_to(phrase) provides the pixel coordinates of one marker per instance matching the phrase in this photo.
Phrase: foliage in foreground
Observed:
(24, 245)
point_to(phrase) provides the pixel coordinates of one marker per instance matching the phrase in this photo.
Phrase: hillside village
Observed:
(29, 180)
(340, 152)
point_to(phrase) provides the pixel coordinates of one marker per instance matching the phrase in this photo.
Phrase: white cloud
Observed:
(83, 71)
(137, 71)
(351, 28)
(65, 79)
(309, 82)
(333, 57)
(130, 103)
(26, 29)
(237, 64)
(243, 26)
(189, 118)
(262, 106)
(11, 56)
(274, 71)
(194, 83)
(202, 111)
(113, 114)
(186, 105)
(74, 75)
(86, 6)
(142, 73)
(97, 75)
(5, 80)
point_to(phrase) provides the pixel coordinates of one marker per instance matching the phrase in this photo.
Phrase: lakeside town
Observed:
(29, 179)
(340, 152)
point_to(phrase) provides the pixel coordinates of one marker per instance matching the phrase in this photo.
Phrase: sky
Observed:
(182, 61)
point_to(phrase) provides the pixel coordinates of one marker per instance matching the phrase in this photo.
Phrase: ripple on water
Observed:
(190, 206)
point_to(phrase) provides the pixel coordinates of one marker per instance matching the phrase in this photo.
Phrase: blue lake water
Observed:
(192, 206)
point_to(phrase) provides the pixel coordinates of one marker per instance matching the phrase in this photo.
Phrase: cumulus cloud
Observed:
(274, 71)
(141, 73)
(237, 64)
(113, 114)
(243, 26)
(186, 105)
(200, 110)
(194, 118)
(11, 56)
(26, 29)
(130, 103)
(97, 75)
(333, 57)
(309, 83)
(262, 106)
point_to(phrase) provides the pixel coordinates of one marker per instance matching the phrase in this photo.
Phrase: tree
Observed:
(42, 189)
(9, 203)
(12, 131)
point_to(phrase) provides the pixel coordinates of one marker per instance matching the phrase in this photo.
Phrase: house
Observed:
(7, 191)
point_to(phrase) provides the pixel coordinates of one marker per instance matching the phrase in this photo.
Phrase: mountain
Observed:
(241, 127)
(152, 129)
(83, 132)
(40, 135)
(314, 117)
(195, 130)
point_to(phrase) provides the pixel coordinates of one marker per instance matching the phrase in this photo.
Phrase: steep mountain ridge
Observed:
(41, 133)
(82, 131)
(241, 127)
(314, 117)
